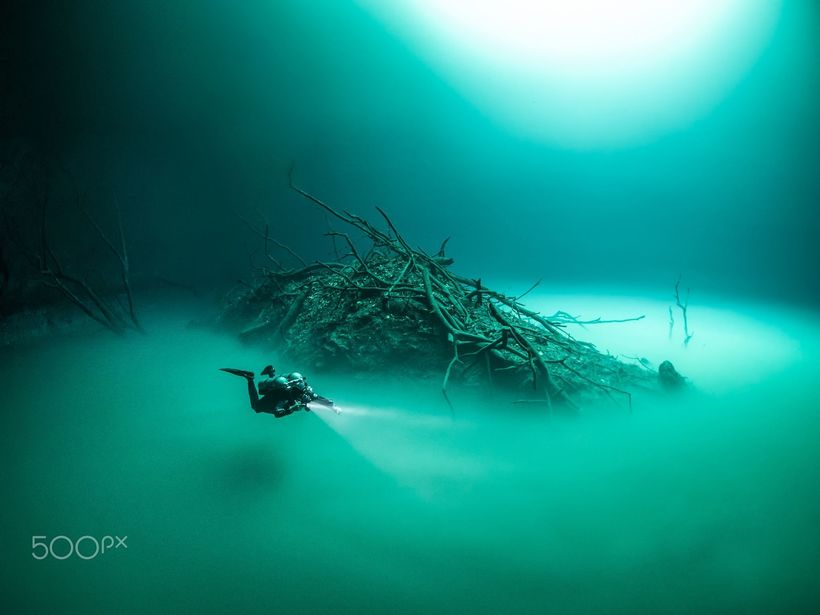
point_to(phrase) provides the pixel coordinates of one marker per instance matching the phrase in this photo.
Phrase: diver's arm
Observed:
(279, 402)
(293, 397)
(285, 411)
(275, 410)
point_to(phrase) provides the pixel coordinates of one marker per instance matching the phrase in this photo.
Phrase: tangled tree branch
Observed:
(483, 331)
(472, 331)
(77, 290)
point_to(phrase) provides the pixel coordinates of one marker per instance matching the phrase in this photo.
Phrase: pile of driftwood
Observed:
(393, 307)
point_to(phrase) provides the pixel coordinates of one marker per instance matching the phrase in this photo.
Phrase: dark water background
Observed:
(192, 112)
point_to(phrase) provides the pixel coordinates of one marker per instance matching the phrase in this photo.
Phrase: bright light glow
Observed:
(577, 35)
(736, 348)
(587, 72)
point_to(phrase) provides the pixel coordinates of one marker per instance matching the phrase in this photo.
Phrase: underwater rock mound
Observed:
(394, 309)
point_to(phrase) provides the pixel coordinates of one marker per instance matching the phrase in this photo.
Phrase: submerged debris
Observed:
(397, 308)
(669, 377)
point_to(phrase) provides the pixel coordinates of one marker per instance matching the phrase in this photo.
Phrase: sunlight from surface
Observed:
(587, 73)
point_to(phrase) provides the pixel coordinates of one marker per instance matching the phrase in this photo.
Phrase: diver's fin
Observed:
(237, 372)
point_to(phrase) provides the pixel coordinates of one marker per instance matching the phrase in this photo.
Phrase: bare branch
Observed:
(684, 308)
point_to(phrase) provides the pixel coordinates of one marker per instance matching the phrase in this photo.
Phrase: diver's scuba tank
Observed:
(271, 385)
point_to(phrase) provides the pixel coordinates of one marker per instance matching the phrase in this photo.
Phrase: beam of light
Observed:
(417, 449)
(390, 415)
(323, 408)
(737, 348)
(586, 73)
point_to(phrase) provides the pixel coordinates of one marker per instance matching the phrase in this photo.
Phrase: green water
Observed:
(606, 152)
(705, 504)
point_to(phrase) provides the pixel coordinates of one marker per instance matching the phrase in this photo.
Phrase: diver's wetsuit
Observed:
(279, 395)
(275, 400)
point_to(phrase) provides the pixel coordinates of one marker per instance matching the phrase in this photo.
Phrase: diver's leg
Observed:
(253, 394)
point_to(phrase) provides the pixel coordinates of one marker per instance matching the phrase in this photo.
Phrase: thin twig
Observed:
(528, 291)
(684, 308)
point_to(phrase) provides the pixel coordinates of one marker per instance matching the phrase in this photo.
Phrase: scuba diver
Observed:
(280, 395)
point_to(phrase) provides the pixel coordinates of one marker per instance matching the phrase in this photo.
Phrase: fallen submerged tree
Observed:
(398, 308)
(108, 311)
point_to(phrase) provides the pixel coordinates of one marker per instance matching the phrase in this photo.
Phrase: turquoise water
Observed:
(604, 147)
(707, 503)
